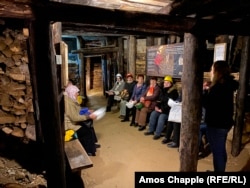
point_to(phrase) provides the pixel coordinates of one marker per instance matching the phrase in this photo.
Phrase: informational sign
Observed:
(220, 51)
(165, 60)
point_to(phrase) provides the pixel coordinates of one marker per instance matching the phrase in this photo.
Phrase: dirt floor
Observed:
(125, 150)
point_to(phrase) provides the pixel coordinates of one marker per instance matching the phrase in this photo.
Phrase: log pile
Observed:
(16, 104)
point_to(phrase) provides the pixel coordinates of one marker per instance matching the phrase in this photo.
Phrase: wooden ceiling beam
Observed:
(55, 11)
(18, 10)
(117, 20)
(69, 28)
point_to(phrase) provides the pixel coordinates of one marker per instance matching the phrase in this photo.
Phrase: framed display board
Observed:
(220, 51)
(165, 60)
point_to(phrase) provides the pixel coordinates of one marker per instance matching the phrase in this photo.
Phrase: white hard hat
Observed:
(118, 75)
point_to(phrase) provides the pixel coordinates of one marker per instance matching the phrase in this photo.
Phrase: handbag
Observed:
(125, 95)
(175, 113)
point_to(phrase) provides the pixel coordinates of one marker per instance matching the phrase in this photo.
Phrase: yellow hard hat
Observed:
(69, 135)
(168, 78)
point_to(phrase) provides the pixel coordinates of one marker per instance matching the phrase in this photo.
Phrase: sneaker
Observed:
(124, 120)
(97, 145)
(132, 124)
(148, 133)
(141, 128)
(156, 137)
(166, 140)
(121, 116)
(172, 145)
(91, 154)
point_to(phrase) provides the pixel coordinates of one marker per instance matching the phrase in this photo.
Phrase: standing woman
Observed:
(219, 105)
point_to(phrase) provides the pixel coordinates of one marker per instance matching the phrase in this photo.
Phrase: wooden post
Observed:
(33, 75)
(192, 79)
(64, 66)
(150, 41)
(47, 105)
(131, 55)
(83, 90)
(104, 75)
(120, 55)
(241, 97)
(87, 70)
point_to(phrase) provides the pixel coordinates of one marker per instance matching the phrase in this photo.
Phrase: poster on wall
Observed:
(220, 51)
(165, 60)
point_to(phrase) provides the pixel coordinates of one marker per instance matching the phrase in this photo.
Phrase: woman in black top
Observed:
(219, 105)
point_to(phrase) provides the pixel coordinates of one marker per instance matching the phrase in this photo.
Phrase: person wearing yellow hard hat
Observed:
(159, 116)
(169, 79)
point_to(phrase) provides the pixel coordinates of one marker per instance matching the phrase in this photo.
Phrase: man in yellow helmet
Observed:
(159, 116)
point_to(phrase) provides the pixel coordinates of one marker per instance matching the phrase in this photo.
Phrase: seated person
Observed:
(126, 95)
(148, 101)
(173, 130)
(115, 91)
(138, 90)
(81, 124)
(176, 135)
(159, 116)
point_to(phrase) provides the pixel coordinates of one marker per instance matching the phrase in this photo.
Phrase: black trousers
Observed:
(87, 136)
(110, 101)
(173, 128)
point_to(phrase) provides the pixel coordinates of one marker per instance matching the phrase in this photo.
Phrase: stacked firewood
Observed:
(16, 104)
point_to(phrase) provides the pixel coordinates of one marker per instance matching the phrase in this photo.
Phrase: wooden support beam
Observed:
(120, 55)
(47, 107)
(118, 20)
(18, 10)
(241, 97)
(192, 79)
(138, 21)
(96, 50)
(133, 21)
(131, 55)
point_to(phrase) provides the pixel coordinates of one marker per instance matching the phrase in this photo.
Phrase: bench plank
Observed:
(77, 156)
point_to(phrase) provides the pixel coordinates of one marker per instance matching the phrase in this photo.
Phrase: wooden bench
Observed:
(77, 157)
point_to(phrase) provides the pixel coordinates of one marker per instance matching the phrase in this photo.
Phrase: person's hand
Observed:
(109, 92)
(157, 109)
(91, 111)
(206, 85)
(92, 116)
(142, 99)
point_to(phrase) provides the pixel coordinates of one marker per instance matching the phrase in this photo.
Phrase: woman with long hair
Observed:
(219, 105)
